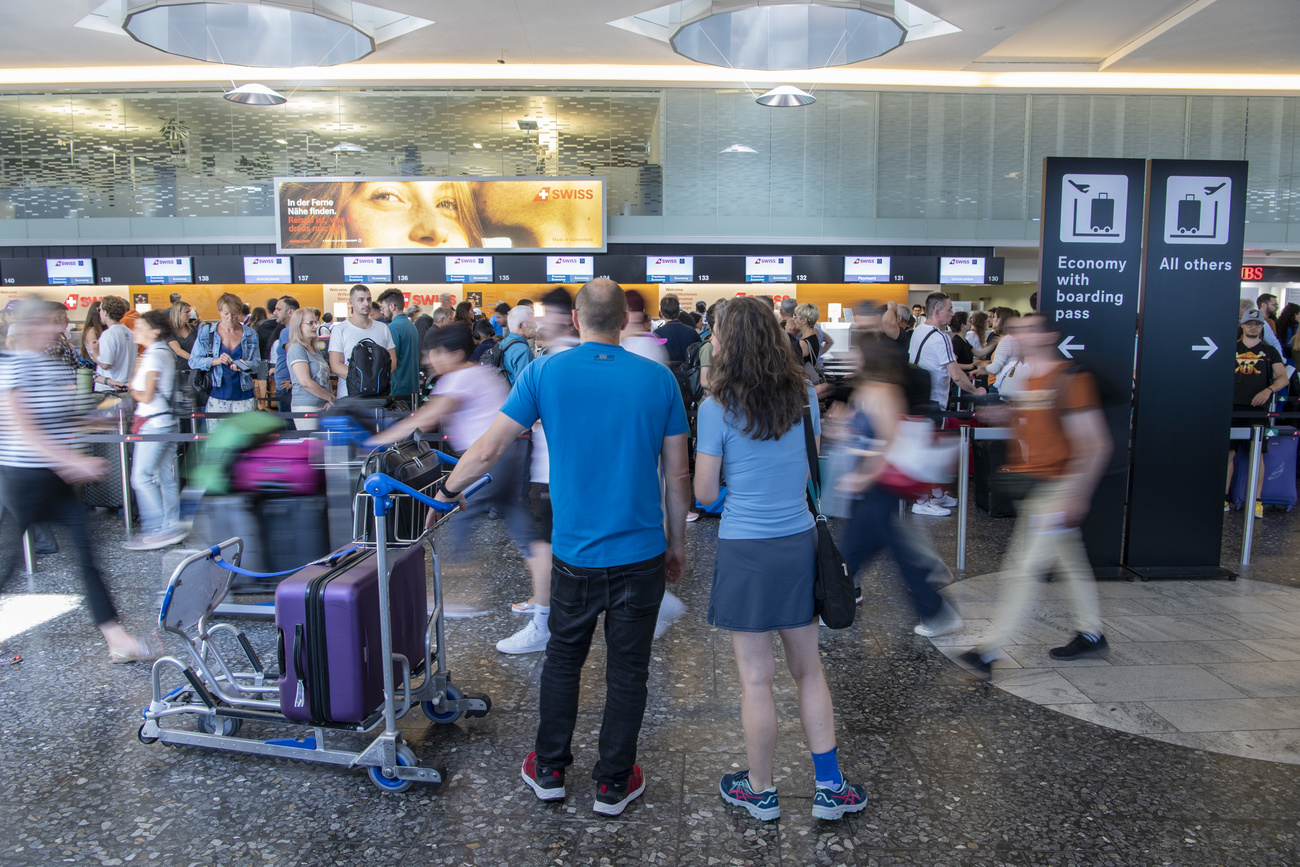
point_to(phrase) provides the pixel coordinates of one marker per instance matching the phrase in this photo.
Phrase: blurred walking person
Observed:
(153, 464)
(1062, 450)
(39, 414)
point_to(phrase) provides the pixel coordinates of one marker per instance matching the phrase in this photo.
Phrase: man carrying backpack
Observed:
(514, 350)
(357, 346)
(406, 344)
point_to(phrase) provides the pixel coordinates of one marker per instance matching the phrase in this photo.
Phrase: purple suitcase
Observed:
(327, 616)
(284, 466)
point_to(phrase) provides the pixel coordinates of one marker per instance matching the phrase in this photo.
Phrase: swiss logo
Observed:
(542, 195)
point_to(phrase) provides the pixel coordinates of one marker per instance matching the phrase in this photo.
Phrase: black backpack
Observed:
(495, 357)
(917, 382)
(369, 370)
(688, 374)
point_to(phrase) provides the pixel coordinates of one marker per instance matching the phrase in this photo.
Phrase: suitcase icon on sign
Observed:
(1103, 213)
(1189, 214)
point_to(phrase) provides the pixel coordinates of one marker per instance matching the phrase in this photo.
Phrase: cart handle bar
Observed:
(380, 487)
(328, 559)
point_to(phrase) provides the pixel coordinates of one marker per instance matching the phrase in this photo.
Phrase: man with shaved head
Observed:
(611, 418)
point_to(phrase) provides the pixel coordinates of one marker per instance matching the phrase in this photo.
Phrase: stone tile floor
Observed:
(958, 772)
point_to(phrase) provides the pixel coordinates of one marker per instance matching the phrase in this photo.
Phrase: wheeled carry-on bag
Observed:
(280, 467)
(327, 617)
(1279, 485)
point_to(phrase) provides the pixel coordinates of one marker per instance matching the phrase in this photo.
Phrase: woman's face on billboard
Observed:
(404, 214)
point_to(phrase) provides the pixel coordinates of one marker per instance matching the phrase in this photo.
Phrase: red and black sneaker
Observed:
(546, 785)
(611, 800)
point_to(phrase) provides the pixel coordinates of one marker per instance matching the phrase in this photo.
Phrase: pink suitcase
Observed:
(327, 616)
(280, 467)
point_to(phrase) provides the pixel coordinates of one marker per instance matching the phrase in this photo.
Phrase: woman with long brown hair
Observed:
(751, 427)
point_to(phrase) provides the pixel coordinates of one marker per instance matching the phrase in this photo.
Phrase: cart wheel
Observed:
(444, 717)
(145, 740)
(229, 725)
(405, 758)
(480, 705)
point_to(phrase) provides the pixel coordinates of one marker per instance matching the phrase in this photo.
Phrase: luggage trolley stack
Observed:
(331, 679)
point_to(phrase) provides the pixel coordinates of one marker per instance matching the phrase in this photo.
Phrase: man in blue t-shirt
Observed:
(611, 419)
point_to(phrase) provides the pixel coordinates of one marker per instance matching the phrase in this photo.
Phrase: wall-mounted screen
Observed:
(670, 269)
(569, 269)
(969, 270)
(403, 215)
(70, 272)
(469, 269)
(268, 269)
(768, 269)
(367, 269)
(866, 269)
(173, 269)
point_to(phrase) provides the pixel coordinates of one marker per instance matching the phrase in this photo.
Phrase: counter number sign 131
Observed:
(1094, 209)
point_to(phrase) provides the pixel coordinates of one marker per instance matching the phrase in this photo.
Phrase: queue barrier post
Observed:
(124, 460)
(29, 552)
(963, 487)
(1248, 508)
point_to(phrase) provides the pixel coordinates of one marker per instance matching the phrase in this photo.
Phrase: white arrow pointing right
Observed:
(1066, 347)
(1208, 348)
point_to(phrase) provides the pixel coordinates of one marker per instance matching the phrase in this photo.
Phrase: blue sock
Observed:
(826, 770)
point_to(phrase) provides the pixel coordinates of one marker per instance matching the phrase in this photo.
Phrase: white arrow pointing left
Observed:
(1208, 347)
(1066, 347)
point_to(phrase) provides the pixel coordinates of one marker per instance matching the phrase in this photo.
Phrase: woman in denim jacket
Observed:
(227, 348)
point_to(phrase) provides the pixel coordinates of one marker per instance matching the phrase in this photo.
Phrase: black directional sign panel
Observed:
(1089, 278)
(1194, 236)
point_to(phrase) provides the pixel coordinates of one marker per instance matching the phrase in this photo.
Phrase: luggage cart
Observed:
(220, 699)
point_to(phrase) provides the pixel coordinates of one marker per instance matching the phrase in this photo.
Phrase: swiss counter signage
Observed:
(1089, 278)
(367, 269)
(267, 269)
(1192, 286)
(404, 215)
(569, 269)
(867, 269)
(70, 272)
(469, 269)
(768, 269)
(670, 269)
(167, 271)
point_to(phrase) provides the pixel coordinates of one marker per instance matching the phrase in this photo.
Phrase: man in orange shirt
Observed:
(1062, 450)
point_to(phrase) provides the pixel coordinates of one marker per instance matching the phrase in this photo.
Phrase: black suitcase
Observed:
(107, 492)
(1103, 213)
(1189, 214)
(295, 531)
(412, 463)
(989, 456)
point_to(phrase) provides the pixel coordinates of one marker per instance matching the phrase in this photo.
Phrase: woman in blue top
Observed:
(230, 351)
(751, 427)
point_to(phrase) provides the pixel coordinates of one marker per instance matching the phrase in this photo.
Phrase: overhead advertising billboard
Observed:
(669, 269)
(401, 215)
(768, 269)
(70, 272)
(469, 269)
(866, 269)
(166, 271)
(961, 270)
(569, 269)
(267, 269)
(367, 269)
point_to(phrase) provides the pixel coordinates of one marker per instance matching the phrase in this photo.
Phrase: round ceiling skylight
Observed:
(794, 35)
(247, 35)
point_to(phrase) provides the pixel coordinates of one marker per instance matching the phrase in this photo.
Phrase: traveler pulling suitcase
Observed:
(327, 617)
(1279, 485)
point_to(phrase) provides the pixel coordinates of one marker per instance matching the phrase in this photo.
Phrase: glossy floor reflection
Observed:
(958, 772)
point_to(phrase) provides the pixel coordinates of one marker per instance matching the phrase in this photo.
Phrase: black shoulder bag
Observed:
(833, 596)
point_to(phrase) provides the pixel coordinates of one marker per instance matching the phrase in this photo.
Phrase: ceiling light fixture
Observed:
(281, 141)
(347, 147)
(478, 146)
(255, 94)
(785, 96)
(738, 149)
(526, 125)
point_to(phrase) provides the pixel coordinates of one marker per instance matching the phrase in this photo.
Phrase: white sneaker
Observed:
(947, 501)
(530, 639)
(928, 507)
(947, 620)
(670, 610)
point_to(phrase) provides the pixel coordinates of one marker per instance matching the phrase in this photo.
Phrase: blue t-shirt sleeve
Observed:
(709, 428)
(816, 412)
(522, 404)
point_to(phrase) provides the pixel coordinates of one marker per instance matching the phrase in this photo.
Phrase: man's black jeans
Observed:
(629, 596)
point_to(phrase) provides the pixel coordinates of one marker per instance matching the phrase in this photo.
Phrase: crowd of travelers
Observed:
(721, 408)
